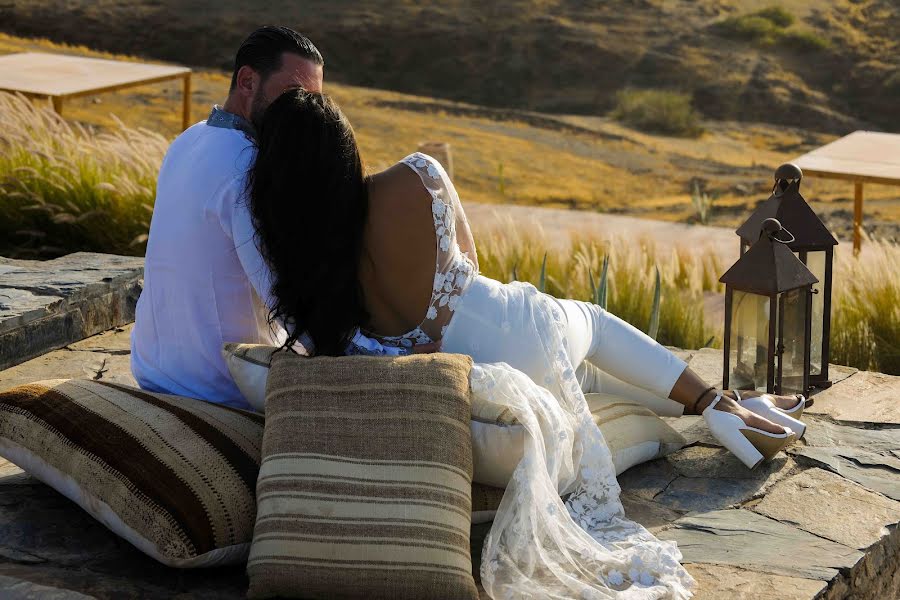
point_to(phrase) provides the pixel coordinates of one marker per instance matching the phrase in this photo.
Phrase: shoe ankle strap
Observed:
(700, 397)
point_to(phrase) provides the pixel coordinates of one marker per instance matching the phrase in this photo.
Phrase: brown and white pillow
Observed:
(365, 485)
(173, 476)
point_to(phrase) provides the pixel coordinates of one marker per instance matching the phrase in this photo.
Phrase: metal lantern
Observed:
(768, 310)
(814, 245)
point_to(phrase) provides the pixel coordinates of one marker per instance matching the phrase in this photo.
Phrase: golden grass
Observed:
(866, 308)
(66, 187)
(866, 295)
(508, 252)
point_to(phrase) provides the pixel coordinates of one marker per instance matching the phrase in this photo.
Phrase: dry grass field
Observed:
(86, 183)
(509, 156)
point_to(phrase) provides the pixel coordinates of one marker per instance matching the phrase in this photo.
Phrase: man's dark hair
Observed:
(263, 48)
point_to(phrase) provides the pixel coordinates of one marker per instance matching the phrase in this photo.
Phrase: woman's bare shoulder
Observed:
(399, 193)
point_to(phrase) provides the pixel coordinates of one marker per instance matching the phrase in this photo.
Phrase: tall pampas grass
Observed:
(65, 187)
(508, 252)
(865, 329)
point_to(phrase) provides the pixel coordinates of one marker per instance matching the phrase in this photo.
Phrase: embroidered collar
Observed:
(219, 117)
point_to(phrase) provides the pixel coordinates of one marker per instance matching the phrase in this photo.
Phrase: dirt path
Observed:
(560, 225)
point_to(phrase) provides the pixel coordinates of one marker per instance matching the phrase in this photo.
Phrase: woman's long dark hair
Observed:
(308, 198)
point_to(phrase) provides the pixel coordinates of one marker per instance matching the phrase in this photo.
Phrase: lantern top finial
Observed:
(788, 206)
(789, 172)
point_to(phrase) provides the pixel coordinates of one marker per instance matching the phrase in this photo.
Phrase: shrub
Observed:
(768, 26)
(777, 15)
(750, 27)
(66, 188)
(702, 202)
(659, 111)
(805, 41)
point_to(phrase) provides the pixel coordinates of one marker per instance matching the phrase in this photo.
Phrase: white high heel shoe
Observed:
(749, 444)
(764, 407)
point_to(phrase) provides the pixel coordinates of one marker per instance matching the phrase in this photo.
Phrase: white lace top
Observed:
(453, 269)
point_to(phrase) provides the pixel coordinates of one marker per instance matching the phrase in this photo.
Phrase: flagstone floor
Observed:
(819, 521)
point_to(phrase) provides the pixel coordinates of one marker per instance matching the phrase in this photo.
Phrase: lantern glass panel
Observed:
(749, 344)
(793, 340)
(815, 262)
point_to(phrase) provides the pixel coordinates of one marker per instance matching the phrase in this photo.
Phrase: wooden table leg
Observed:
(186, 102)
(857, 216)
(57, 104)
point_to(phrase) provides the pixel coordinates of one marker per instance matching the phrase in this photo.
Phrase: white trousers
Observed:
(610, 355)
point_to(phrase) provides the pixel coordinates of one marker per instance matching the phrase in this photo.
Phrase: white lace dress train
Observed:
(539, 547)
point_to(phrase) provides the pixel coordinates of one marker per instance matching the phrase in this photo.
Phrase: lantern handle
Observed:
(770, 227)
(790, 241)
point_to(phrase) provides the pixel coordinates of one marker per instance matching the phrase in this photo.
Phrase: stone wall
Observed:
(45, 305)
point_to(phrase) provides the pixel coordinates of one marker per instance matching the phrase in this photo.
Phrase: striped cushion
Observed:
(365, 484)
(173, 476)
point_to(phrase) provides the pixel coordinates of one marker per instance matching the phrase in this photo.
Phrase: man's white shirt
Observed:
(205, 282)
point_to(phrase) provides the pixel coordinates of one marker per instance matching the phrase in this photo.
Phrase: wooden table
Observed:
(60, 76)
(861, 157)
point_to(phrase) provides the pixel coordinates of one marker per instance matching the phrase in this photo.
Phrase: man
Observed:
(205, 282)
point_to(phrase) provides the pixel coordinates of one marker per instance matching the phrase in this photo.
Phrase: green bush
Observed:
(658, 111)
(804, 41)
(751, 27)
(769, 26)
(777, 15)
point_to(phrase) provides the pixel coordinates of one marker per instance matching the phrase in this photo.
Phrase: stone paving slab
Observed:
(819, 521)
(865, 515)
(719, 582)
(745, 539)
(866, 396)
(45, 305)
(875, 471)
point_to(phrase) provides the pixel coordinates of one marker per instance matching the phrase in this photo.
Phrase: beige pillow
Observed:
(633, 432)
(365, 485)
(249, 367)
(173, 476)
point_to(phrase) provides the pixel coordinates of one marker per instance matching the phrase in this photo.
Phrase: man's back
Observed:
(197, 291)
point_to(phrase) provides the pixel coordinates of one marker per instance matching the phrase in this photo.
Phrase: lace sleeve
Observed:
(453, 269)
(444, 200)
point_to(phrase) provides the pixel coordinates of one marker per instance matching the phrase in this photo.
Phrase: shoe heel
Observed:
(733, 438)
(750, 445)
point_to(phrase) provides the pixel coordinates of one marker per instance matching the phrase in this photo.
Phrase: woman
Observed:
(392, 255)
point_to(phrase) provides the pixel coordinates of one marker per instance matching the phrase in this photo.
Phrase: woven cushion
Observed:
(365, 484)
(633, 433)
(173, 476)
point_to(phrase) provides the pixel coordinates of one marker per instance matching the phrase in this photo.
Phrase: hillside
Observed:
(534, 159)
(825, 65)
